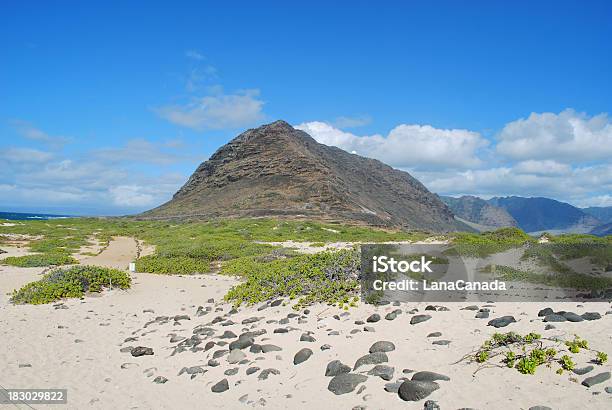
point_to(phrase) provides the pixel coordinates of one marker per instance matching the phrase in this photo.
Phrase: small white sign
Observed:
(132, 267)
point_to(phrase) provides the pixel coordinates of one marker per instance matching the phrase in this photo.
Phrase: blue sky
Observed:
(108, 109)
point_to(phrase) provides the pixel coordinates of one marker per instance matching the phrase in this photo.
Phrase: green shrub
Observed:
(172, 265)
(527, 365)
(566, 362)
(487, 243)
(576, 344)
(601, 358)
(531, 353)
(70, 282)
(328, 277)
(41, 259)
(510, 358)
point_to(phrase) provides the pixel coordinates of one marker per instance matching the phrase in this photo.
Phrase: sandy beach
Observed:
(84, 346)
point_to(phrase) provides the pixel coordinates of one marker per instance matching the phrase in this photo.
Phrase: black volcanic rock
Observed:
(276, 170)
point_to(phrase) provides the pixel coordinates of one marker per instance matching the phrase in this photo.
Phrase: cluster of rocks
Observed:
(345, 379)
(562, 316)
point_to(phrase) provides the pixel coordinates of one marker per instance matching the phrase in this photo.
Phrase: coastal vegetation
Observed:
(72, 282)
(526, 353)
(250, 248)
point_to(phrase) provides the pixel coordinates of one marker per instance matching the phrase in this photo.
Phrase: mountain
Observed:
(603, 213)
(602, 230)
(544, 214)
(478, 211)
(276, 170)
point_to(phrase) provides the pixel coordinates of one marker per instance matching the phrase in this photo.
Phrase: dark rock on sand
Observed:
(583, 370)
(267, 372)
(375, 317)
(419, 318)
(160, 380)
(270, 348)
(392, 387)
(471, 307)
(345, 383)
(540, 408)
(252, 370)
(573, 317)
(391, 316)
(591, 316)
(382, 346)
(554, 317)
(241, 343)
(545, 312)
(549, 327)
(383, 371)
(307, 338)
(372, 358)
(220, 387)
(336, 367)
(301, 356)
(441, 342)
(281, 330)
(426, 376)
(482, 315)
(598, 378)
(435, 334)
(231, 372)
(416, 390)
(228, 334)
(502, 321)
(141, 351)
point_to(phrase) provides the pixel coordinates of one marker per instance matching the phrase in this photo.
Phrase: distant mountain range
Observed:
(478, 211)
(533, 215)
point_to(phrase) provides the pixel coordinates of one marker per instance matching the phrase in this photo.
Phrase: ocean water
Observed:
(19, 216)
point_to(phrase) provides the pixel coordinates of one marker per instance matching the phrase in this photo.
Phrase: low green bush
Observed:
(487, 243)
(329, 277)
(70, 282)
(40, 259)
(526, 353)
(177, 265)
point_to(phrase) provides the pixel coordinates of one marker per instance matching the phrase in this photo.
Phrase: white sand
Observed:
(78, 349)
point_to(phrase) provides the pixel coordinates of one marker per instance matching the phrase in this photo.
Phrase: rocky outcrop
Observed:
(278, 171)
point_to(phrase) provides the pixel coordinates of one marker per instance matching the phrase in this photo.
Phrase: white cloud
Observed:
(565, 137)
(27, 130)
(216, 111)
(24, 155)
(543, 167)
(131, 196)
(413, 146)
